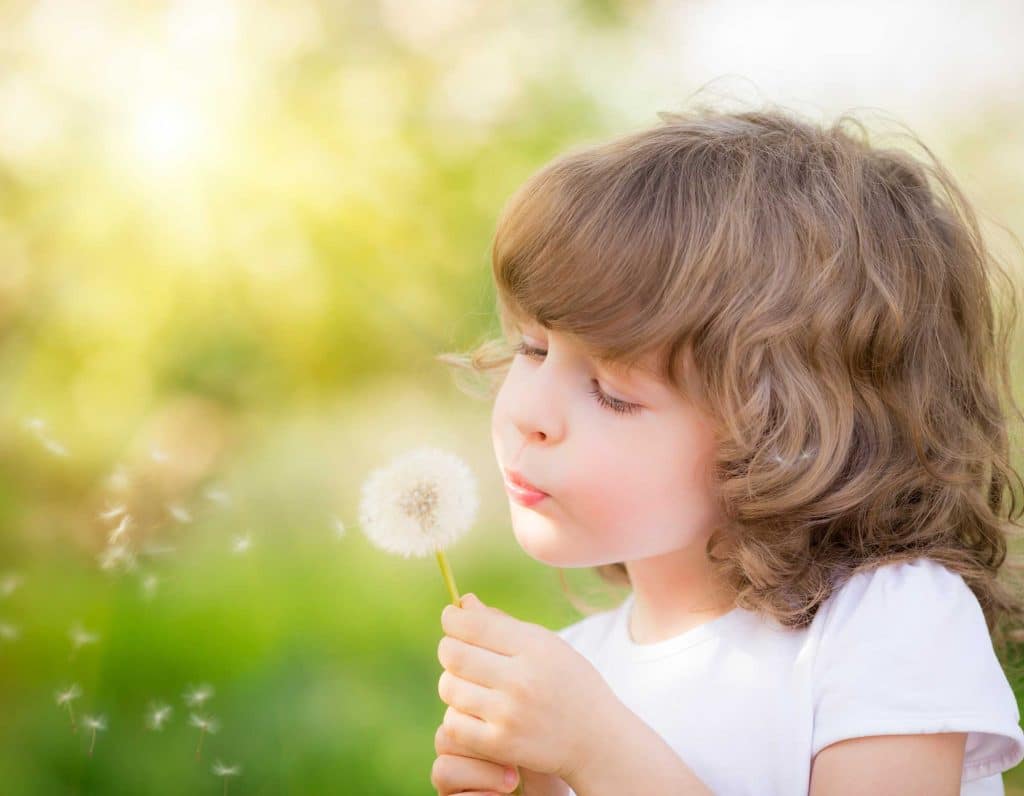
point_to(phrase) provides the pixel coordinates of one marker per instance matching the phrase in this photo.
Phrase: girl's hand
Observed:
(457, 771)
(519, 694)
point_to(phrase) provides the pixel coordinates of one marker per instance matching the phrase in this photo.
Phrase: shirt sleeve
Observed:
(904, 649)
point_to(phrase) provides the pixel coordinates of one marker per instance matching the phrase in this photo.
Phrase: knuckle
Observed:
(440, 772)
(444, 687)
(446, 653)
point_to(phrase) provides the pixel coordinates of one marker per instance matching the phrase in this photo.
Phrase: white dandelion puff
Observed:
(157, 716)
(96, 724)
(206, 724)
(113, 512)
(241, 544)
(195, 697)
(9, 583)
(80, 637)
(119, 531)
(65, 698)
(419, 504)
(339, 528)
(179, 512)
(226, 772)
(9, 632)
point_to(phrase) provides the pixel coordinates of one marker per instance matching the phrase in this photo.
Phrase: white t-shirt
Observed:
(747, 703)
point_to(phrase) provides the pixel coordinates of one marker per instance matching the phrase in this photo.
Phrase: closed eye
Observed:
(616, 405)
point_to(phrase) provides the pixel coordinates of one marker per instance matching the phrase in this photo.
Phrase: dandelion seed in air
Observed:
(112, 513)
(65, 698)
(158, 454)
(241, 544)
(218, 495)
(206, 724)
(157, 716)
(226, 772)
(118, 479)
(339, 528)
(96, 724)
(195, 697)
(117, 556)
(80, 637)
(9, 632)
(179, 512)
(119, 531)
(149, 585)
(9, 583)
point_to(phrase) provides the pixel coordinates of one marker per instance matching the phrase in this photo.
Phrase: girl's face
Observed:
(622, 485)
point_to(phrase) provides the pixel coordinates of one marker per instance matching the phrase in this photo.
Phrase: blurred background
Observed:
(233, 237)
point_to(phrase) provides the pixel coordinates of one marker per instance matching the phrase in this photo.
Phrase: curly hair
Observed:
(829, 303)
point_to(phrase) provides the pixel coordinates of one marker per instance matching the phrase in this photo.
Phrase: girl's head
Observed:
(808, 325)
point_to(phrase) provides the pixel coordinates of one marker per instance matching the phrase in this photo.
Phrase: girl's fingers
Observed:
(453, 774)
(444, 745)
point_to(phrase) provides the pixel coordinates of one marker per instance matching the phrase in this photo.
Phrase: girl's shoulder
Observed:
(904, 648)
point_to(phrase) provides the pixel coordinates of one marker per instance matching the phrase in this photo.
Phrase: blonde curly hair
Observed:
(829, 303)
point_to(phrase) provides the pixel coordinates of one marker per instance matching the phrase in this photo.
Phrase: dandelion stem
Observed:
(202, 732)
(93, 744)
(71, 712)
(449, 578)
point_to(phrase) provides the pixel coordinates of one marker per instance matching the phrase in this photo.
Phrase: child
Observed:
(757, 379)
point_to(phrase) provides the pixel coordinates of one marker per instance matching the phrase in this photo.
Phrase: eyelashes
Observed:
(607, 401)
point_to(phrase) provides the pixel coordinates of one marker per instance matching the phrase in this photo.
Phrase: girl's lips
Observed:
(526, 497)
(516, 479)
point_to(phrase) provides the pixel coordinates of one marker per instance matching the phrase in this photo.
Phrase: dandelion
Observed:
(195, 697)
(9, 632)
(339, 528)
(226, 772)
(179, 512)
(157, 715)
(206, 724)
(420, 504)
(65, 698)
(9, 583)
(241, 544)
(96, 724)
(118, 532)
(80, 637)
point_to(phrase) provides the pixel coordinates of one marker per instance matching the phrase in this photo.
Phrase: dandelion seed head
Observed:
(222, 770)
(69, 694)
(420, 503)
(95, 723)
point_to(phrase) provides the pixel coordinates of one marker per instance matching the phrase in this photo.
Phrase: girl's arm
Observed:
(627, 757)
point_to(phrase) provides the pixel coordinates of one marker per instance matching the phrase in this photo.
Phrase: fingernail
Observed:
(510, 776)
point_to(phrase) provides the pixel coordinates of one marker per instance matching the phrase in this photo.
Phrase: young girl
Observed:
(757, 377)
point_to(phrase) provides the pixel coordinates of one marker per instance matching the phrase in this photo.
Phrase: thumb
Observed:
(471, 601)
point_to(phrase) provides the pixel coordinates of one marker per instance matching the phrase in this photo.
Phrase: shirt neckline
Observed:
(706, 631)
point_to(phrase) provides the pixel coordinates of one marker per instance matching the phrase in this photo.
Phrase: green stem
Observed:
(449, 579)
